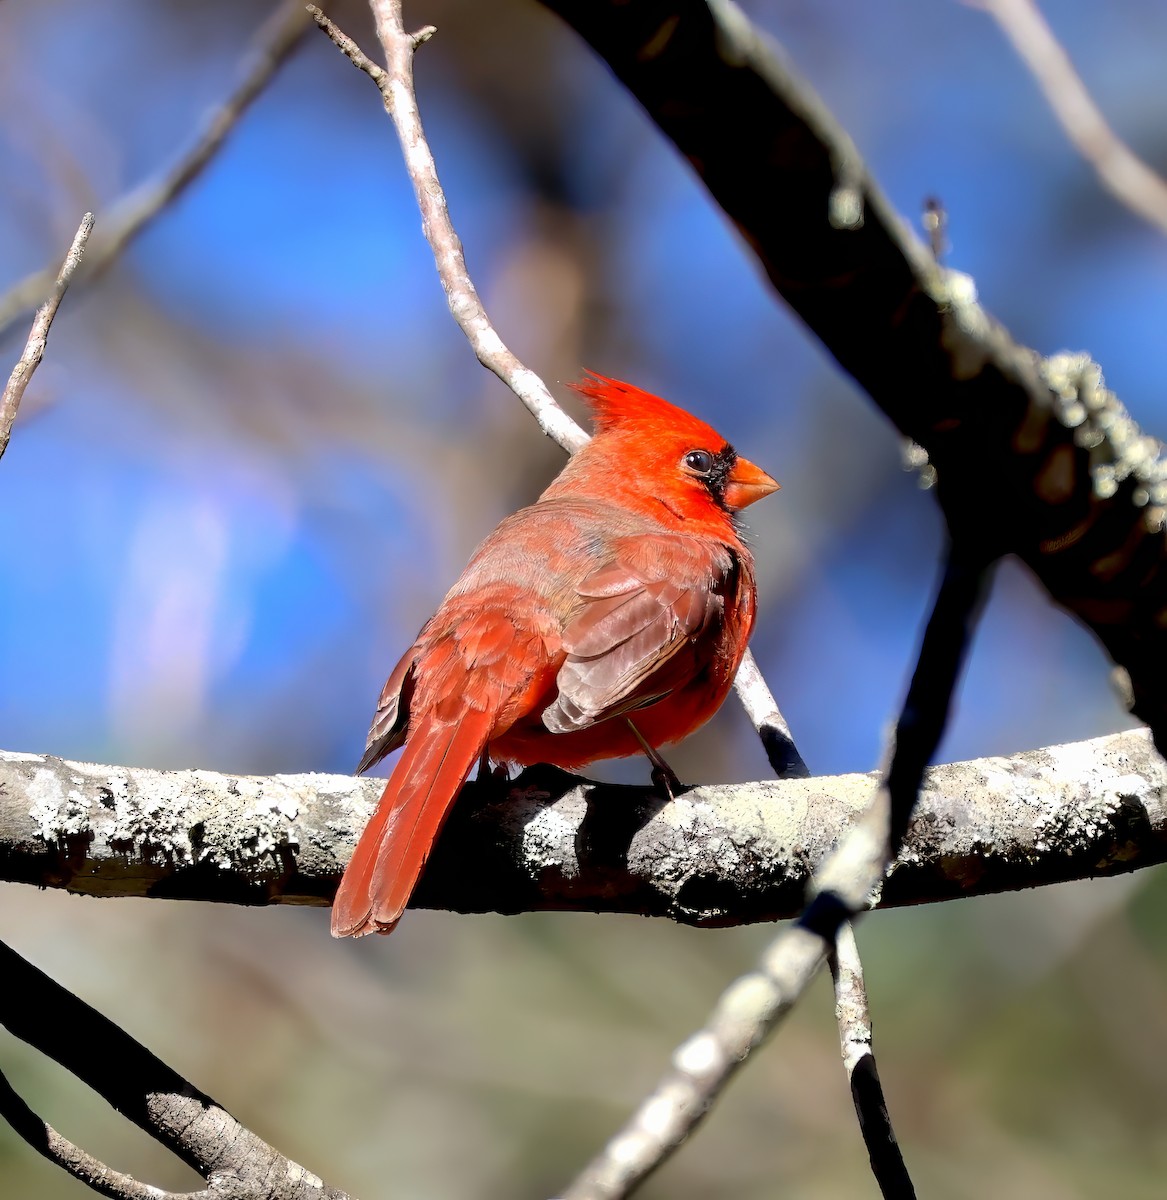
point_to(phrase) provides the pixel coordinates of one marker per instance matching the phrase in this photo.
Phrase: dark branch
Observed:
(45, 1140)
(142, 1088)
(843, 885)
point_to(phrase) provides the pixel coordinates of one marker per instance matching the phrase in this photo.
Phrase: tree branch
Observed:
(45, 1140)
(38, 336)
(1076, 490)
(719, 855)
(130, 214)
(233, 1160)
(756, 698)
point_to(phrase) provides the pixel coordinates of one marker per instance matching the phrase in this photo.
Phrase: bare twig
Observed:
(855, 1041)
(762, 709)
(396, 88)
(130, 214)
(843, 885)
(38, 337)
(1119, 169)
(233, 1160)
(846, 966)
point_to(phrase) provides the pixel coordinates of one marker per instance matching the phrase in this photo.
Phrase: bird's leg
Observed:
(664, 778)
(496, 773)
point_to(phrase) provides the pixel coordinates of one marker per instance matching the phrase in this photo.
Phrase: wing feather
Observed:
(391, 719)
(638, 610)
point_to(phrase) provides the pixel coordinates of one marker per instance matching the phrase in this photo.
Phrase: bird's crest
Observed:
(615, 405)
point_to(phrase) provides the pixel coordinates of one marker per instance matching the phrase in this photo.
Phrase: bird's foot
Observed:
(665, 781)
(491, 772)
(664, 778)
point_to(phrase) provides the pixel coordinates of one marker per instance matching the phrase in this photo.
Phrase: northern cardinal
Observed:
(605, 620)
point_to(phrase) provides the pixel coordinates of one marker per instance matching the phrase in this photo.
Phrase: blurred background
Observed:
(259, 451)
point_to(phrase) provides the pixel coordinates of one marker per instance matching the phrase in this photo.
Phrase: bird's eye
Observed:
(699, 461)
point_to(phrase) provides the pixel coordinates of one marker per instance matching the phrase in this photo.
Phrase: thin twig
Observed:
(232, 1159)
(844, 884)
(132, 212)
(396, 88)
(44, 1139)
(38, 337)
(1119, 169)
(851, 1009)
(855, 1041)
(758, 701)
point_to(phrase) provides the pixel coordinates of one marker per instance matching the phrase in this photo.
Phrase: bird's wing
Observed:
(392, 716)
(650, 599)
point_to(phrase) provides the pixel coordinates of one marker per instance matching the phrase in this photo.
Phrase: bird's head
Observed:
(671, 455)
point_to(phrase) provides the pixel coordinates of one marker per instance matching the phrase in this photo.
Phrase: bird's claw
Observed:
(665, 781)
(490, 772)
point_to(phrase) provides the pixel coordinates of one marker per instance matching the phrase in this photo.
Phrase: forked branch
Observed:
(232, 1159)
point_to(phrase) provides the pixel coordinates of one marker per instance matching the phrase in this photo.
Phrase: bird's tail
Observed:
(393, 849)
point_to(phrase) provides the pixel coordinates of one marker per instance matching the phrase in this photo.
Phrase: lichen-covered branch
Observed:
(1051, 471)
(717, 856)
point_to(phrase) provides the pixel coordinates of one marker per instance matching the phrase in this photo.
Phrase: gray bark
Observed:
(718, 855)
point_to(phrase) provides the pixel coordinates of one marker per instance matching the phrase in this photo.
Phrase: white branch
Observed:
(716, 856)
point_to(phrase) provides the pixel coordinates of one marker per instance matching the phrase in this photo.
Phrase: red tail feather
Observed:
(393, 849)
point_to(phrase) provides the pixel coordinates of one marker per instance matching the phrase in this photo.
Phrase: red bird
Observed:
(605, 620)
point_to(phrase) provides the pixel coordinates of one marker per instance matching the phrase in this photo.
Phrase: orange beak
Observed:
(747, 483)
